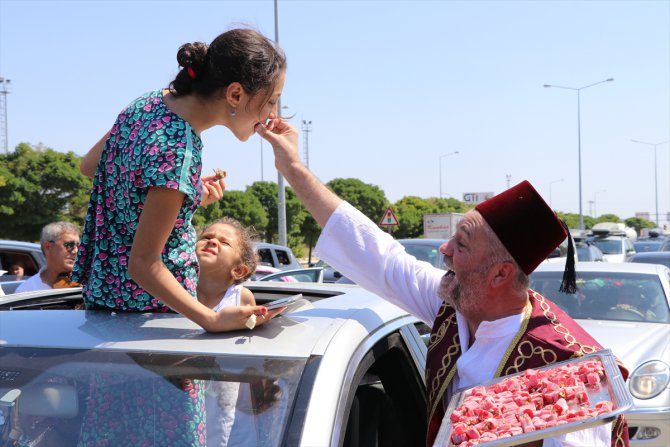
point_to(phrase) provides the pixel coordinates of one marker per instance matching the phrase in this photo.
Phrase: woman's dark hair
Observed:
(239, 55)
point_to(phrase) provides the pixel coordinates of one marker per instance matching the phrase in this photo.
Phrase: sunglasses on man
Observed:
(69, 245)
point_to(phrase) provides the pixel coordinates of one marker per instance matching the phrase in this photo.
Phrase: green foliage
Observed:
(608, 218)
(637, 223)
(266, 194)
(369, 199)
(410, 210)
(39, 185)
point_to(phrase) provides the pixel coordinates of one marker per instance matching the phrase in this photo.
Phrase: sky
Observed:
(392, 89)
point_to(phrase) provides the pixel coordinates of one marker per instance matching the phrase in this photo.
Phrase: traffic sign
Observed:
(389, 219)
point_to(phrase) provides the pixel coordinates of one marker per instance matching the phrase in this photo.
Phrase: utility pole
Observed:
(4, 91)
(281, 194)
(306, 128)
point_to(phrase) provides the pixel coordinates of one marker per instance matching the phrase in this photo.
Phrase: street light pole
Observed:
(306, 128)
(655, 171)
(440, 162)
(550, 185)
(281, 194)
(579, 139)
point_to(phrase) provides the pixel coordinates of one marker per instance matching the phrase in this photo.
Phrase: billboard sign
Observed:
(475, 198)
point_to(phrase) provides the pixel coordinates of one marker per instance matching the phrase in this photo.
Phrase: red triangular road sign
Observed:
(389, 219)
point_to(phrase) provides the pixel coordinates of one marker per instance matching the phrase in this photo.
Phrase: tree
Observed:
(39, 186)
(236, 204)
(409, 211)
(369, 199)
(266, 193)
(637, 223)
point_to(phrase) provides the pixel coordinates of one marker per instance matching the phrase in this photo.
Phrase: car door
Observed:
(385, 403)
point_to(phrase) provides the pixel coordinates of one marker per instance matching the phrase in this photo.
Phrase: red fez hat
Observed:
(526, 226)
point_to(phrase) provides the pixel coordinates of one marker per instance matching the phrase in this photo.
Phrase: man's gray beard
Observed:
(466, 294)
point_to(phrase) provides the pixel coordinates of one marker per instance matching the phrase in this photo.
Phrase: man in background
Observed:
(59, 242)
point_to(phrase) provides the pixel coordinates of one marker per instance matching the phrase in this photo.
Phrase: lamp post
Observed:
(579, 139)
(307, 128)
(4, 83)
(550, 185)
(655, 171)
(281, 194)
(440, 162)
(595, 200)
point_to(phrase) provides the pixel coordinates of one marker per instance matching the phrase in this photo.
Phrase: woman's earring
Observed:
(233, 113)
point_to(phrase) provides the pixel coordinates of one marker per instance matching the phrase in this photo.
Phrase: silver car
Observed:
(344, 368)
(625, 307)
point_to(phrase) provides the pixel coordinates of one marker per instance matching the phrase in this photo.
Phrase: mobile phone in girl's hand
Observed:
(282, 302)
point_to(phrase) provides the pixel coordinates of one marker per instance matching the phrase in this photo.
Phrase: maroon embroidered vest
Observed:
(547, 335)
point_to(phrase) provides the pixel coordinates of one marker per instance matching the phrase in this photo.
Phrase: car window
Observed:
(663, 260)
(386, 400)
(283, 258)
(609, 246)
(265, 256)
(424, 253)
(607, 296)
(65, 395)
(9, 257)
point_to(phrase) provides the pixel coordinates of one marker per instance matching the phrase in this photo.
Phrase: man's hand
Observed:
(284, 139)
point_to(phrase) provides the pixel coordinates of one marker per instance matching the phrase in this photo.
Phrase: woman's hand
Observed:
(212, 189)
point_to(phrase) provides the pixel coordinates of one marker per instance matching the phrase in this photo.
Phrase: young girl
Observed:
(137, 250)
(227, 258)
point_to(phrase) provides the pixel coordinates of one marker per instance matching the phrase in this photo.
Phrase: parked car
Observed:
(261, 271)
(346, 369)
(27, 253)
(615, 248)
(277, 256)
(422, 249)
(425, 250)
(652, 257)
(308, 274)
(329, 273)
(647, 245)
(625, 307)
(587, 252)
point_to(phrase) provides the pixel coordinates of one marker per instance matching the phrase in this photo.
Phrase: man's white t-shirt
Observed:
(33, 283)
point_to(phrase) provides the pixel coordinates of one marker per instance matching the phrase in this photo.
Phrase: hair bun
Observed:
(192, 54)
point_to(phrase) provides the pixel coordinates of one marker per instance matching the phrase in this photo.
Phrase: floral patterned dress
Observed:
(148, 147)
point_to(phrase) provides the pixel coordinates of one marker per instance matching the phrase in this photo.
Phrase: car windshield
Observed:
(609, 246)
(77, 397)
(426, 253)
(607, 296)
(647, 246)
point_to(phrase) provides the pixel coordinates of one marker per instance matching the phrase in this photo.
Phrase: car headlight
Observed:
(649, 379)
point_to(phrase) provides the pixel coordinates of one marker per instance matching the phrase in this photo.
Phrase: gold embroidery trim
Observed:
(522, 330)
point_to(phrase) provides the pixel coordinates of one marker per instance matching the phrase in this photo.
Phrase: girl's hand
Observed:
(236, 317)
(212, 189)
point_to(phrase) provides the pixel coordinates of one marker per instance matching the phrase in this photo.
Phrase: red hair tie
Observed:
(191, 73)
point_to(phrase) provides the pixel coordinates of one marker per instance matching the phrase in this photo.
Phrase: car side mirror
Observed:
(337, 274)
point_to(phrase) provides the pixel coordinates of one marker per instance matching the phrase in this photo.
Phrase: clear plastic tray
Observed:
(613, 388)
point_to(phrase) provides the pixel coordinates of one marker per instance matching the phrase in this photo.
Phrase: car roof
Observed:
(270, 245)
(20, 244)
(299, 334)
(630, 267)
(422, 241)
(652, 255)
